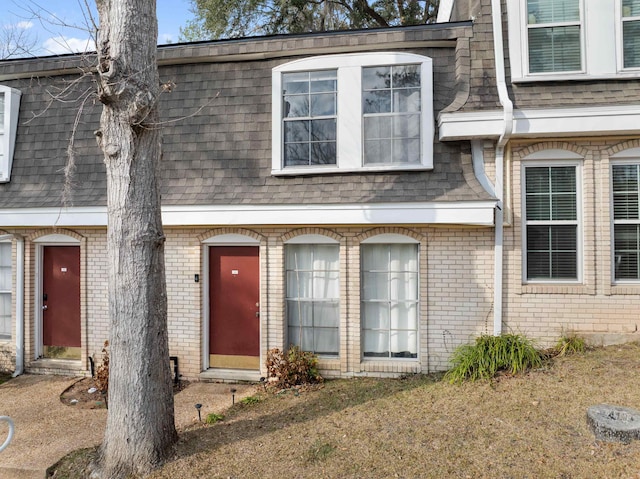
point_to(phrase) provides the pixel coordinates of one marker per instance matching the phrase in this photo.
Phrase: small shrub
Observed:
(250, 400)
(291, 368)
(213, 418)
(490, 354)
(570, 345)
(102, 373)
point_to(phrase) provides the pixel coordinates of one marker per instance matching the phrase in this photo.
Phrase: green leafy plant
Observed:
(291, 368)
(213, 418)
(489, 354)
(571, 344)
(250, 400)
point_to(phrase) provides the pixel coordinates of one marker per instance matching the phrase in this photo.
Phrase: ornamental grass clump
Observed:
(571, 344)
(512, 353)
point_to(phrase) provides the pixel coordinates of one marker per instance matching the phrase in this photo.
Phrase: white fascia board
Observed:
(478, 213)
(551, 122)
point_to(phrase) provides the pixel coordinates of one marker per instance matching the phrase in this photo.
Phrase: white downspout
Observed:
(507, 105)
(19, 306)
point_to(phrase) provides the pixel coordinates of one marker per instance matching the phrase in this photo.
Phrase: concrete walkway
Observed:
(46, 429)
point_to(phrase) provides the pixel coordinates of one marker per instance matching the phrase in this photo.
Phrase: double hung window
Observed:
(310, 118)
(5, 289)
(551, 222)
(313, 297)
(389, 308)
(391, 109)
(626, 221)
(631, 33)
(353, 112)
(554, 36)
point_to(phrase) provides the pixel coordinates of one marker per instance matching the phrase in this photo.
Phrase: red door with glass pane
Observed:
(234, 307)
(61, 302)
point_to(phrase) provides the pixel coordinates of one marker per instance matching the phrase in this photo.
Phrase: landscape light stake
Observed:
(198, 407)
(233, 396)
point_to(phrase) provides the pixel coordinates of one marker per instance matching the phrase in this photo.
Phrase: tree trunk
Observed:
(140, 431)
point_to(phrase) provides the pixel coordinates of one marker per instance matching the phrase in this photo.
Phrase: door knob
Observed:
(257, 314)
(45, 307)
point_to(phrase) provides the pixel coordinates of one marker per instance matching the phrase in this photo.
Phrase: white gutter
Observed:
(507, 105)
(19, 306)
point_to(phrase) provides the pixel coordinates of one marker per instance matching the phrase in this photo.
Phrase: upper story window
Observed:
(551, 213)
(631, 33)
(353, 112)
(573, 39)
(309, 117)
(9, 109)
(553, 36)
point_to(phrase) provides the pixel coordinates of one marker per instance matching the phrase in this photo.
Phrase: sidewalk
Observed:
(46, 429)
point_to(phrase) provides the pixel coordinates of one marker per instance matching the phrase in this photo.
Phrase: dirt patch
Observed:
(84, 394)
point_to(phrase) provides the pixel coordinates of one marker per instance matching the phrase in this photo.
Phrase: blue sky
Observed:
(48, 22)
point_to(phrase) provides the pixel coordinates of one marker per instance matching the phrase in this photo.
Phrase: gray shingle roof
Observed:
(217, 135)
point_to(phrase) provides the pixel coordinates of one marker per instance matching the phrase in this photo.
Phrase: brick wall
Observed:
(594, 307)
(455, 294)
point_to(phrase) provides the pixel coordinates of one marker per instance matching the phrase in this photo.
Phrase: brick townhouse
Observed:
(353, 193)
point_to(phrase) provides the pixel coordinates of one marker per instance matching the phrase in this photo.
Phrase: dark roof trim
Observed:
(255, 48)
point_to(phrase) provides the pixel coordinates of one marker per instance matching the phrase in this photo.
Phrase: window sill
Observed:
(625, 288)
(556, 288)
(311, 170)
(623, 75)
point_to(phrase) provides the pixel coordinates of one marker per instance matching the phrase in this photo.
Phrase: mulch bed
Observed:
(78, 395)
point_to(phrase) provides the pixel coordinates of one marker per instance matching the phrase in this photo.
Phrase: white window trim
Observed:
(312, 239)
(316, 239)
(8, 130)
(3, 336)
(626, 157)
(549, 162)
(391, 238)
(601, 32)
(620, 39)
(349, 156)
(525, 43)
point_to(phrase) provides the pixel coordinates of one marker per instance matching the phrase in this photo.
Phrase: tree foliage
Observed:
(241, 18)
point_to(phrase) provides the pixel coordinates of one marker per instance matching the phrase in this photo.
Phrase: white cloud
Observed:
(25, 25)
(165, 38)
(62, 44)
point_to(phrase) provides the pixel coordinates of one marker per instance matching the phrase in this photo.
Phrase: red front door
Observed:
(61, 302)
(234, 305)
